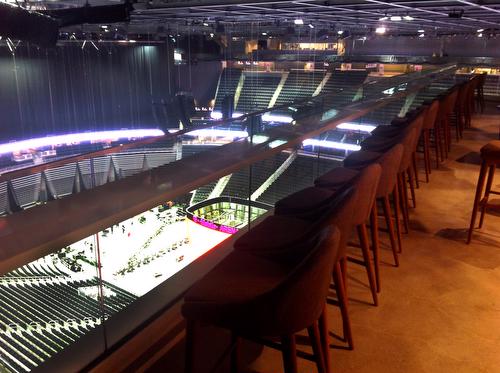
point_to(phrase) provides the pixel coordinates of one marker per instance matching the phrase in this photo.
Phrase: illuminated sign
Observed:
(214, 226)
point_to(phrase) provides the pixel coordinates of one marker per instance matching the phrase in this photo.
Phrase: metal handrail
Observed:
(14, 174)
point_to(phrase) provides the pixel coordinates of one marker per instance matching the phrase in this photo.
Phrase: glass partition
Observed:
(132, 224)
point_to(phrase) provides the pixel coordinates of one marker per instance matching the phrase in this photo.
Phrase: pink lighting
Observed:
(214, 226)
(77, 138)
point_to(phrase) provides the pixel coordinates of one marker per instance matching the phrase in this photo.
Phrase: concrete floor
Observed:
(440, 310)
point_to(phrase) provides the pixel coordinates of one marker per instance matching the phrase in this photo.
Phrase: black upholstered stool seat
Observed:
(400, 122)
(336, 178)
(309, 203)
(275, 236)
(387, 131)
(361, 159)
(221, 298)
(381, 144)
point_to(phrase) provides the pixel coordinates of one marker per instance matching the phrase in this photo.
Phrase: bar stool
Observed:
(480, 90)
(413, 119)
(256, 297)
(474, 81)
(490, 155)
(440, 127)
(458, 117)
(389, 163)
(469, 96)
(365, 184)
(449, 103)
(416, 115)
(318, 206)
(406, 137)
(428, 126)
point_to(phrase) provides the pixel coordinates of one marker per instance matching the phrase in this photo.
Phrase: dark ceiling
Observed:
(250, 18)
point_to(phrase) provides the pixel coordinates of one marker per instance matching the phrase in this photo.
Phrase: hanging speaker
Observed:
(186, 109)
(227, 106)
(33, 27)
(92, 14)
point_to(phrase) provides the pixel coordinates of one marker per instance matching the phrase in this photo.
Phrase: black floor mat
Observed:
(470, 158)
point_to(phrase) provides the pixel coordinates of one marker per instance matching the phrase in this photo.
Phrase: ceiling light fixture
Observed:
(421, 35)
(340, 32)
(298, 21)
(421, 30)
(480, 35)
(311, 25)
(408, 18)
(380, 30)
(384, 18)
(480, 30)
(396, 18)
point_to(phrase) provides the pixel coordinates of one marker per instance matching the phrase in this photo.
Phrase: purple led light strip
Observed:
(77, 138)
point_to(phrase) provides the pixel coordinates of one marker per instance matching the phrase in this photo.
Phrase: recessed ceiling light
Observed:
(396, 18)
(421, 30)
(408, 18)
(384, 18)
(340, 32)
(264, 33)
(380, 30)
(298, 21)
(480, 30)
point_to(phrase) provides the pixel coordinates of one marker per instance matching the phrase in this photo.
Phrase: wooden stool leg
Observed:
(436, 145)
(405, 203)
(375, 243)
(491, 173)
(313, 332)
(189, 354)
(477, 198)
(342, 298)
(323, 333)
(235, 353)
(402, 187)
(442, 143)
(365, 248)
(343, 270)
(390, 227)
(415, 169)
(447, 135)
(427, 164)
(428, 135)
(289, 351)
(411, 180)
(395, 195)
